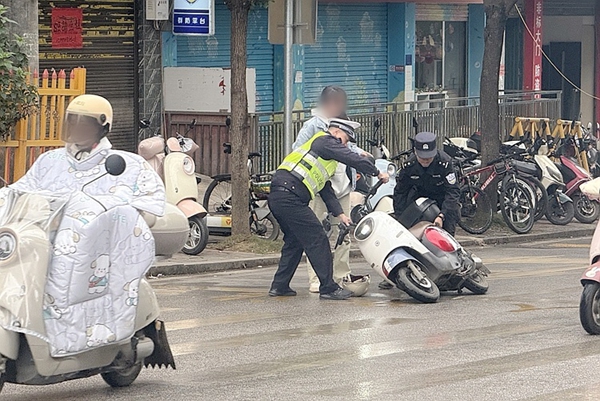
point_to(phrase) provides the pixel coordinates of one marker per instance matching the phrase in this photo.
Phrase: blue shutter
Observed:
(213, 51)
(351, 51)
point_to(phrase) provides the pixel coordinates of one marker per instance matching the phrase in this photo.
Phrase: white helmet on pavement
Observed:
(359, 285)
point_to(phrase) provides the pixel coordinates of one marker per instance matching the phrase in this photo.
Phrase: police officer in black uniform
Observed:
(429, 174)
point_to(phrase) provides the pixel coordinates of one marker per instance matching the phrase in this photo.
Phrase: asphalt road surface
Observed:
(521, 341)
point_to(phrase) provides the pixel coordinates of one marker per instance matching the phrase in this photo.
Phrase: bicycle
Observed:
(217, 199)
(476, 210)
(516, 201)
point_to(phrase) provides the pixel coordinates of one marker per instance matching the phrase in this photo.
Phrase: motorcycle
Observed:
(174, 164)
(417, 257)
(586, 210)
(28, 229)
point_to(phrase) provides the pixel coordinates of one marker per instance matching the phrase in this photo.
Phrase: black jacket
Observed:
(329, 148)
(437, 182)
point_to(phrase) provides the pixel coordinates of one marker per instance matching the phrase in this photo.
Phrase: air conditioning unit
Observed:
(157, 10)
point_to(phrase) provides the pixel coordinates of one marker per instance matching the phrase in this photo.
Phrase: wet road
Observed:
(521, 341)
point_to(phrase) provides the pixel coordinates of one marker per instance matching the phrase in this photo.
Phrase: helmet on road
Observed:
(359, 285)
(88, 119)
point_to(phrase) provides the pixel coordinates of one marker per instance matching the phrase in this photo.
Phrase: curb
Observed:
(166, 268)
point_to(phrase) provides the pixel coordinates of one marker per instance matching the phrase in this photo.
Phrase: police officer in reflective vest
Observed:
(302, 174)
(429, 173)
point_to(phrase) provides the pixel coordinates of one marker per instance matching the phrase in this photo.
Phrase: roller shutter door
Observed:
(108, 54)
(351, 51)
(213, 51)
(442, 12)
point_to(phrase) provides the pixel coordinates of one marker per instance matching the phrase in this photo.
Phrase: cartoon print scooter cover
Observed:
(101, 249)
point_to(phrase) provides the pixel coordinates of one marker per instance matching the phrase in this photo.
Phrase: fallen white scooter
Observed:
(173, 163)
(28, 226)
(420, 260)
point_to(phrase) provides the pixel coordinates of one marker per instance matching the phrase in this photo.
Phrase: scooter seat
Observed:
(419, 229)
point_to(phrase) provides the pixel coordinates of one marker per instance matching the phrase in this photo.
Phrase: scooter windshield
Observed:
(28, 224)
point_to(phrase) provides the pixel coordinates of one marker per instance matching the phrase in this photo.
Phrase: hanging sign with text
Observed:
(194, 17)
(533, 46)
(67, 28)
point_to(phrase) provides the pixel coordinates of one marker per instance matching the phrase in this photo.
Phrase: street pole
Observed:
(288, 76)
(25, 14)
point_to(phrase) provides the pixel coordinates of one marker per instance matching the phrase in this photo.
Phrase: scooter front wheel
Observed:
(124, 377)
(586, 210)
(589, 308)
(423, 290)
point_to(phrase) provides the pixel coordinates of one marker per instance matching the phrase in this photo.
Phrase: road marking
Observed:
(227, 319)
(285, 334)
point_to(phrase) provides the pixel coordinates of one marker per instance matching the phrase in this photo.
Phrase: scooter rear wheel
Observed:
(477, 284)
(424, 291)
(197, 237)
(589, 308)
(122, 378)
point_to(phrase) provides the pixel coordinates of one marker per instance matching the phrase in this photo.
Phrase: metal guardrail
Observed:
(458, 117)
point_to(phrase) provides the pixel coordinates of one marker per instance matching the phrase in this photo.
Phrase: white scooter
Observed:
(420, 260)
(27, 230)
(173, 163)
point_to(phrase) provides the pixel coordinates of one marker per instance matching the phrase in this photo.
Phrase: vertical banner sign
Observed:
(532, 57)
(193, 17)
(67, 28)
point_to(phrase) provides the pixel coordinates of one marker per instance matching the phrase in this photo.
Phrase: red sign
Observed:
(67, 28)
(532, 56)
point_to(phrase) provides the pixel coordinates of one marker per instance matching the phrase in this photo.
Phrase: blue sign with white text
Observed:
(193, 17)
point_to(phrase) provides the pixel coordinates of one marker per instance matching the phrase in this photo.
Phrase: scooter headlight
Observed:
(188, 165)
(391, 169)
(364, 229)
(8, 244)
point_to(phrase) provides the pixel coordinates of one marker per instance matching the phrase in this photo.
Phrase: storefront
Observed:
(100, 36)
(440, 50)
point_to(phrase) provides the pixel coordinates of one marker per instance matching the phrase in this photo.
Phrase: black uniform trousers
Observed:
(303, 232)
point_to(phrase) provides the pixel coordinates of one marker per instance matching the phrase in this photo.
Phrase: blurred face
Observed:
(82, 131)
(335, 106)
(425, 162)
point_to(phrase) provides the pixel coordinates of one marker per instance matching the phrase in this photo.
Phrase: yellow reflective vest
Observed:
(308, 167)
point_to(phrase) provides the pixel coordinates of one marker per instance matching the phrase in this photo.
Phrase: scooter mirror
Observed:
(115, 165)
(377, 123)
(228, 121)
(144, 123)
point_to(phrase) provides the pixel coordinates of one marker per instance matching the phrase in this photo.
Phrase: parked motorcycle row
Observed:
(172, 160)
(547, 180)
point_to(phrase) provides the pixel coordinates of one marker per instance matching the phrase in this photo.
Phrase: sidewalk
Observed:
(212, 260)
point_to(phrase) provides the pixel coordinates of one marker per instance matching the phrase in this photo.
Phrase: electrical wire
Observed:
(550, 61)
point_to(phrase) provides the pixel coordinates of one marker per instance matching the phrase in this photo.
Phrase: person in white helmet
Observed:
(103, 246)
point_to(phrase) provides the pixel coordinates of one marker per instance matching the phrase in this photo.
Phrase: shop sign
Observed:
(67, 28)
(193, 17)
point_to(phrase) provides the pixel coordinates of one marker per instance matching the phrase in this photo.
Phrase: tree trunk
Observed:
(496, 12)
(25, 14)
(239, 117)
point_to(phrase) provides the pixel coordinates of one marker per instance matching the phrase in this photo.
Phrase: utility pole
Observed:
(25, 14)
(288, 76)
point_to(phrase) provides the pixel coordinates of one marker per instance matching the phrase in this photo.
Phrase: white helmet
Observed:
(359, 285)
(88, 119)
